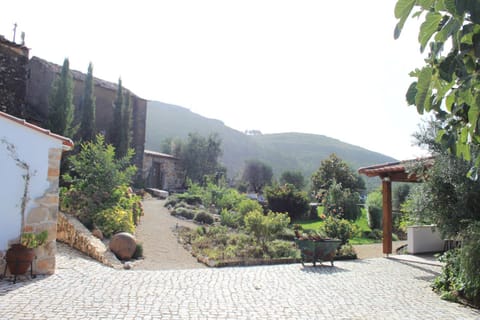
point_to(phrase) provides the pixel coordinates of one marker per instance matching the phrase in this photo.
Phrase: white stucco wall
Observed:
(31, 147)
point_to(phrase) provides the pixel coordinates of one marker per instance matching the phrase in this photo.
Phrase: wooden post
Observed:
(387, 215)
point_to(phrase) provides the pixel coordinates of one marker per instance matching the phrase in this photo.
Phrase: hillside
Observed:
(283, 151)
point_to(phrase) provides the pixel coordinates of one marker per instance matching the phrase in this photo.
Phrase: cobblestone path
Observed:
(363, 289)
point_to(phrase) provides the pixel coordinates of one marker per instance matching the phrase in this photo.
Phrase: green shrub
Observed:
(218, 233)
(114, 220)
(286, 234)
(191, 199)
(184, 212)
(347, 250)
(228, 199)
(287, 199)
(128, 201)
(247, 205)
(183, 204)
(470, 262)
(138, 251)
(265, 227)
(374, 206)
(375, 234)
(95, 176)
(339, 229)
(171, 201)
(282, 249)
(203, 217)
(451, 279)
(230, 219)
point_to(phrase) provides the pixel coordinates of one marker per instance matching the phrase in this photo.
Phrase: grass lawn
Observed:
(361, 224)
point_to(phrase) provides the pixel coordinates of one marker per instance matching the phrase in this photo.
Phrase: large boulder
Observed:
(123, 244)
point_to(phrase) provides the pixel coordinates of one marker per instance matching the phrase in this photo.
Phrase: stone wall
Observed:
(43, 216)
(73, 232)
(13, 77)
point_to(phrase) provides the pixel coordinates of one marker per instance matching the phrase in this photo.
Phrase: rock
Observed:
(127, 265)
(162, 194)
(97, 233)
(123, 244)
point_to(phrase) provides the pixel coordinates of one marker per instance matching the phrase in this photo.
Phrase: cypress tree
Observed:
(60, 113)
(87, 125)
(125, 130)
(116, 127)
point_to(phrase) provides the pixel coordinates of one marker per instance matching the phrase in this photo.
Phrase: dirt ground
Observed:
(368, 251)
(160, 246)
(162, 250)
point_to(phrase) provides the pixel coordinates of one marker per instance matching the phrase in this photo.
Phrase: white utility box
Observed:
(422, 239)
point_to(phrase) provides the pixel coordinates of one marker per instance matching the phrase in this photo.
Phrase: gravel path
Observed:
(368, 251)
(160, 246)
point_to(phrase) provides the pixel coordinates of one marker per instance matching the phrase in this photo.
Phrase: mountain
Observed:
(282, 151)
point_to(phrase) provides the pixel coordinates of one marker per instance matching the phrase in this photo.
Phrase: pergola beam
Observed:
(392, 172)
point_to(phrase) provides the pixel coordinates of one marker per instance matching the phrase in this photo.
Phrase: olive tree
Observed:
(257, 175)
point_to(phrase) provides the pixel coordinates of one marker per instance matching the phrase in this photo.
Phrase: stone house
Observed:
(162, 171)
(25, 86)
(30, 158)
(41, 75)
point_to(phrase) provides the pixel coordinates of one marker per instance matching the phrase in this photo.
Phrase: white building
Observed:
(29, 173)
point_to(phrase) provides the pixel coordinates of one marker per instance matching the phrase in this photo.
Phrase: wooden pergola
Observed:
(393, 172)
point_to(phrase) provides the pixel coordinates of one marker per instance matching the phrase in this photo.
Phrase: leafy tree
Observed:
(447, 196)
(451, 200)
(342, 202)
(287, 199)
(400, 194)
(448, 85)
(294, 178)
(61, 108)
(199, 156)
(87, 124)
(335, 169)
(257, 175)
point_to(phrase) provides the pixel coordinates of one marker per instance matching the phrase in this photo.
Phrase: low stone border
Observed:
(73, 233)
(245, 263)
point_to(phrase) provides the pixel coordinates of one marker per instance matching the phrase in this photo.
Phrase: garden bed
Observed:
(184, 237)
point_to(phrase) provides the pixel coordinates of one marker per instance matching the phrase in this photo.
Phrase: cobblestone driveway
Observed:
(365, 289)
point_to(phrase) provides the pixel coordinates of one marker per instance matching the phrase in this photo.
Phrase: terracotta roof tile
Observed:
(391, 168)
(66, 142)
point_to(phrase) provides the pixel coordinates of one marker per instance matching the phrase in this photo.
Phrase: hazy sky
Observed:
(323, 67)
